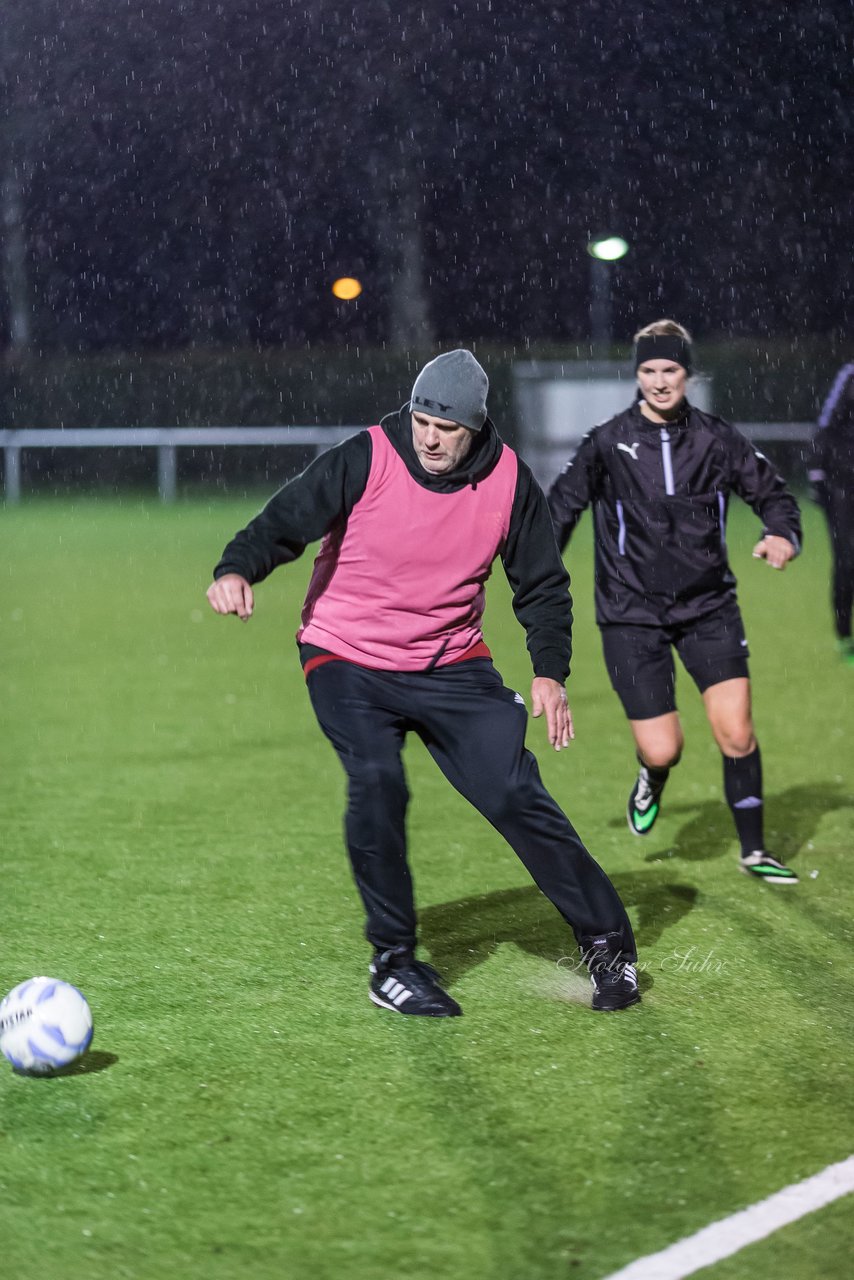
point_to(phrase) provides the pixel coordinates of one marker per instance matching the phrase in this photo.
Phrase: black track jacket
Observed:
(659, 493)
(831, 470)
(308, 506)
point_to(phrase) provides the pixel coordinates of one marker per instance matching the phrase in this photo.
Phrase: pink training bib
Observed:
(402, 580)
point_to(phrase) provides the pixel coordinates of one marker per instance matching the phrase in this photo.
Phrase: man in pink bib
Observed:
(412, 515)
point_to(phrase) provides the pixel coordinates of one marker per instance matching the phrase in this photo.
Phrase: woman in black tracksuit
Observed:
(832, 477)
(659, 477)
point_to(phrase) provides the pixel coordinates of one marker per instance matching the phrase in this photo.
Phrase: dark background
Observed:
(199, 172)
(181, 181)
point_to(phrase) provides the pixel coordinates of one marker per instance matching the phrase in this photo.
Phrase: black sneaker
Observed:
(406, 985)
(761, 865)
(615, 979)
(846, 651)
(644, 803)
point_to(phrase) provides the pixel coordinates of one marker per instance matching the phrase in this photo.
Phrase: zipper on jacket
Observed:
(621, 533)
(722, 518)
(667, 461)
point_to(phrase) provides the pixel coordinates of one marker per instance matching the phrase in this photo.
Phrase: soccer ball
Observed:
(44, 1024)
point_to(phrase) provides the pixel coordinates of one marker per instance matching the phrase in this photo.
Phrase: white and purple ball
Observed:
(45, 1024)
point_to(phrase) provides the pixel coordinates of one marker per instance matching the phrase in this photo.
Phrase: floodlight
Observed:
(347, 288)
(608, 248)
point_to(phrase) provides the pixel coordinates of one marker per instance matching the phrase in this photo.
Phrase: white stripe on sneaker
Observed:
(396, 991)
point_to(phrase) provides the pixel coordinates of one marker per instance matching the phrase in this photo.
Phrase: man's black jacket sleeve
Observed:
(540, 583)
(302, 511)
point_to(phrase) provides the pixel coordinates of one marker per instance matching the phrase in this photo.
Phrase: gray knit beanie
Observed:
(453, 386)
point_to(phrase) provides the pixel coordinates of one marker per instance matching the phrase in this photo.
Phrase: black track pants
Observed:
(474, 728)
(840, 520)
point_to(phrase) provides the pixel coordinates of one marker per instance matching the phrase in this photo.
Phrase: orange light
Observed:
(347, 288)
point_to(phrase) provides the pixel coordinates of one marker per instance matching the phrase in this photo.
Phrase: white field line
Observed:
(722, 1239)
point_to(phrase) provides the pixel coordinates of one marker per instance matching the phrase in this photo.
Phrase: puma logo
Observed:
(631, 449)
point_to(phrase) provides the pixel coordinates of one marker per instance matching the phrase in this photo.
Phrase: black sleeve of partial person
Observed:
(819, 468)
(572, 492)
(760, 485)
(540, 583)
(302, 511)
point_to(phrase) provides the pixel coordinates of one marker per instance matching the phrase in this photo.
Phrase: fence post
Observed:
(13, 472)
(167, 472)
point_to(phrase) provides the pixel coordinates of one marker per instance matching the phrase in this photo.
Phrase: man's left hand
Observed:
(549, 696)
(775, 550)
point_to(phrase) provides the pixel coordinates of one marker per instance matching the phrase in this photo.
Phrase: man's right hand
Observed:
(232, 594)
(549, 696)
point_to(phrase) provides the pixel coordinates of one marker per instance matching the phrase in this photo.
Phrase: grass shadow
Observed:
(463, 934)
(94, 1060)
(791, 819)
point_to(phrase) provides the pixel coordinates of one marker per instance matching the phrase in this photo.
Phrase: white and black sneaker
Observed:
(644, 802)
(614, 978)
(762, 866)
(406, 985)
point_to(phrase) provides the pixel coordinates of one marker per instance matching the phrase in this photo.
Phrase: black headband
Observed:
(663, 346)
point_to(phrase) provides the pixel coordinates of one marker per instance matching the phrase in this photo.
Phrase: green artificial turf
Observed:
(172, 845)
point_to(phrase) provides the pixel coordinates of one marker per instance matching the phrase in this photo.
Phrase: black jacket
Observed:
(659, 494)
(831, 469)
(308, 506)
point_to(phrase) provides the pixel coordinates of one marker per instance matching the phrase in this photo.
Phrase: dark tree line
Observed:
(182, 172)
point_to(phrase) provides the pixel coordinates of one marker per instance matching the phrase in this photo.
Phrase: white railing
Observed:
(166, 440)
(784, 431)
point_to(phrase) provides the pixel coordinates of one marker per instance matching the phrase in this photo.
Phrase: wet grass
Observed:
(172, 844)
